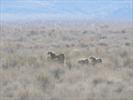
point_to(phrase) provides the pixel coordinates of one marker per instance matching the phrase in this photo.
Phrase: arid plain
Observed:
(27, 74)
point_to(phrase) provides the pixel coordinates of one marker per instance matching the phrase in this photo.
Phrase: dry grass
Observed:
(26, 74)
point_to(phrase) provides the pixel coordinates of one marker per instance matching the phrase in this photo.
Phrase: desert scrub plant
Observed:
(32, 61)
(123, 54)
(19, 60)
(127, 62)
(8, 50)
(24, 95)
(123, 31)
(9, 64)
(103, 44)
(83, 45)
(9, 61)
(32, 32)
(85, 32)
(100, 81)
(29, 93)
(69, 64)
(127, 44)
(43, 80)
(57, 73)
(25, 60)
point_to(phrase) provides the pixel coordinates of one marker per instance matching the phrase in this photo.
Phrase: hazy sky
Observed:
(66, 9)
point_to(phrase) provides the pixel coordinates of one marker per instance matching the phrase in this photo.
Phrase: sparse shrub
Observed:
(119, 89)
(85, 32)
(127, 62)
(72, 44)
(55, 98)
(100, 81)
(5, 66)
(53, 30)
(82, 45)
(103, 37)
(123, 31)
(9, 63)
(127, 44)
(24, 96)
(65, 38)
(9, 50)
(103, 44)
(57, 73)
(67, 45)
(50, 34)
(43, 79)
(69, 64)
(32, 60)
(32, 32)
(97, 81)
(123, 54)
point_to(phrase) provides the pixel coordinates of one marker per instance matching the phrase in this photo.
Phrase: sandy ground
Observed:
(26, 74)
